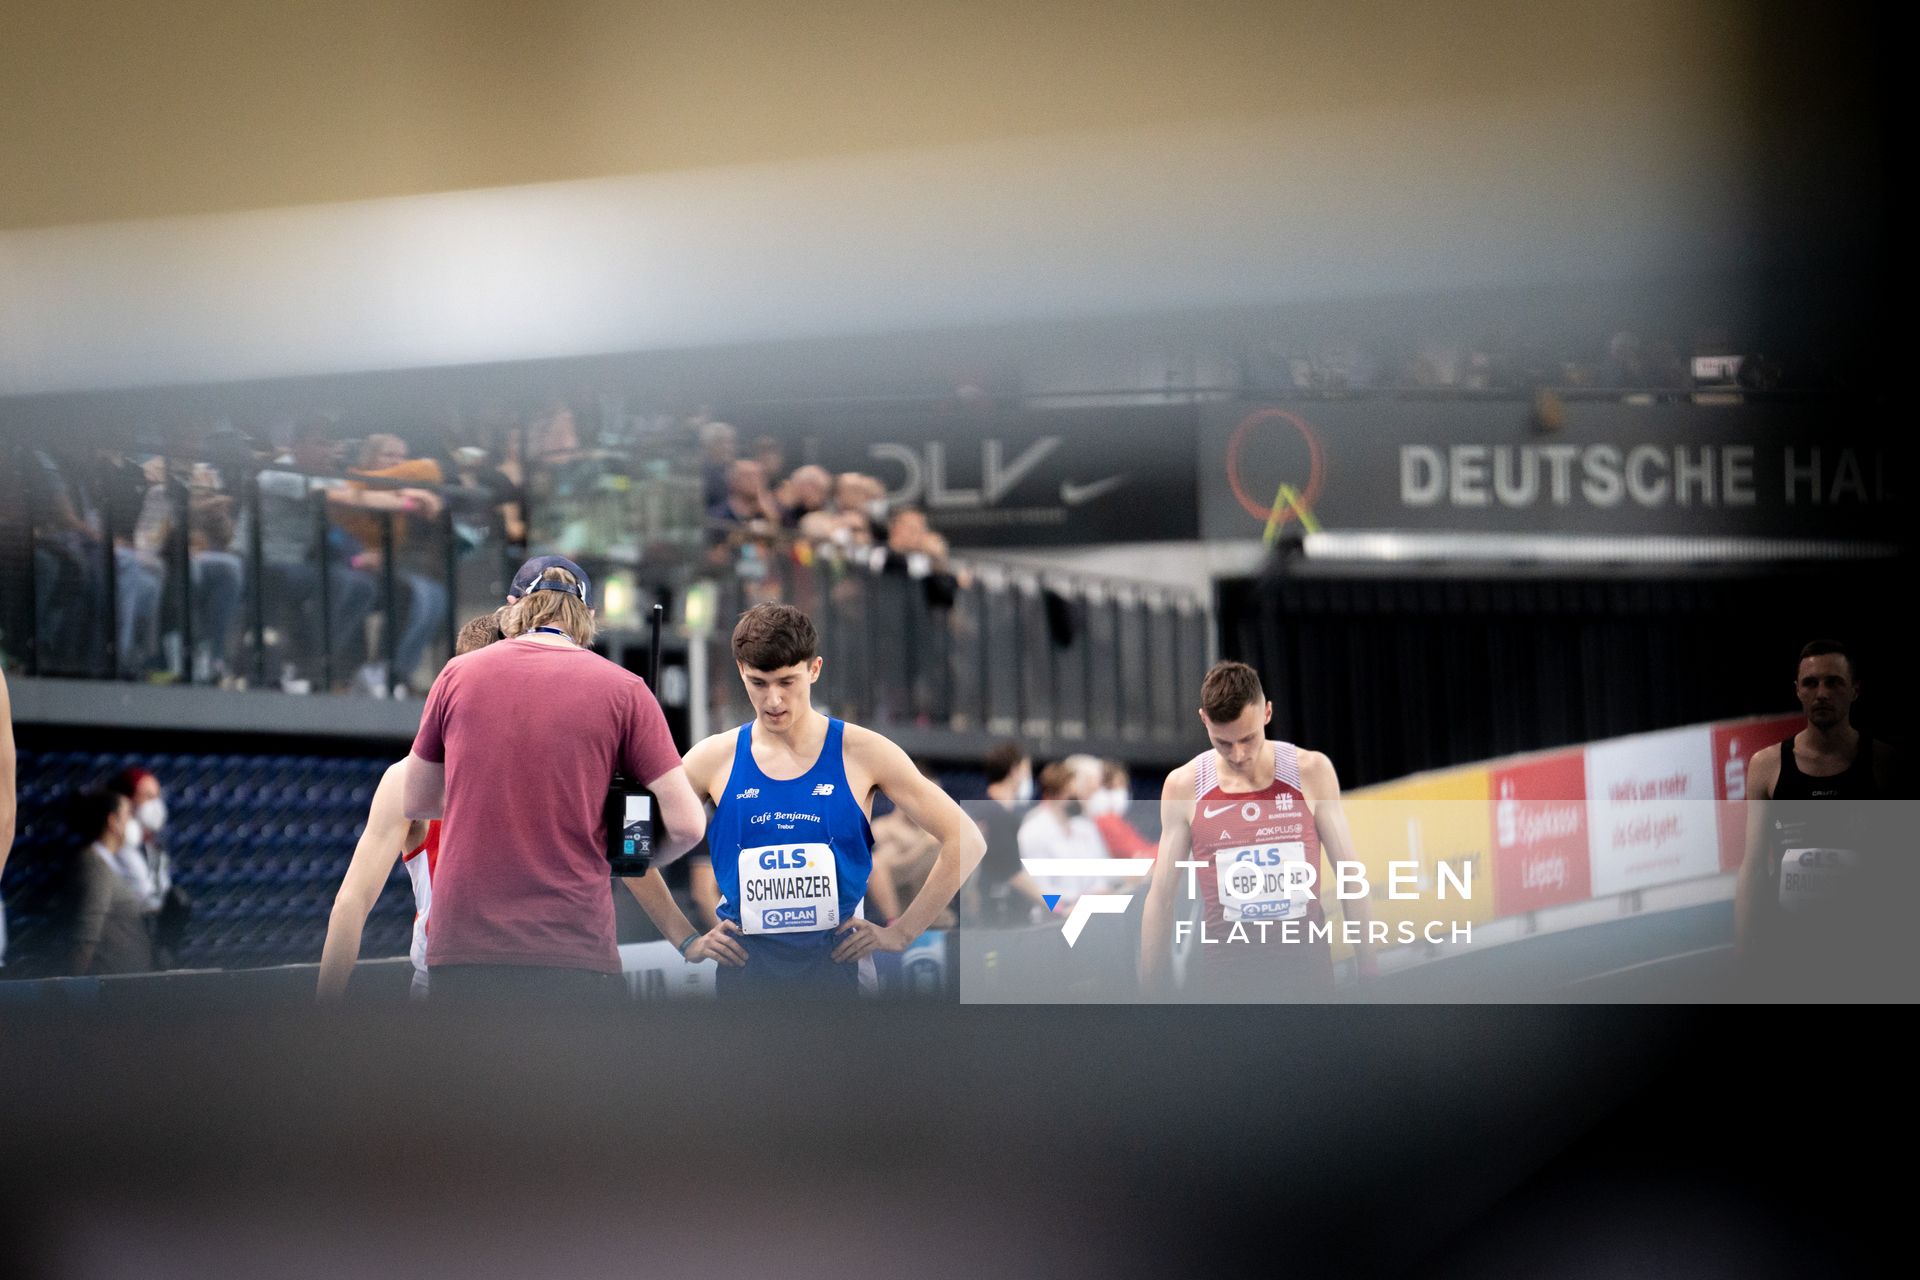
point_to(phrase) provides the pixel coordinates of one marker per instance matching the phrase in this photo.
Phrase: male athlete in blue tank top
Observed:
(792, 848)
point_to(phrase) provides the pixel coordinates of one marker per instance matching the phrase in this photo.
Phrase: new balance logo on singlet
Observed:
(823, 789)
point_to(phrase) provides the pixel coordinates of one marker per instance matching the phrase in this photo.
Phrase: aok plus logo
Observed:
(1088, 905)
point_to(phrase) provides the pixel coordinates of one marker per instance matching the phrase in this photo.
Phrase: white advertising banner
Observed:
(1650, 810)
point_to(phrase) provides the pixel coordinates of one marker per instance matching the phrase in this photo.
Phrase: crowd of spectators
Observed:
(135, 552)
(1081, 807)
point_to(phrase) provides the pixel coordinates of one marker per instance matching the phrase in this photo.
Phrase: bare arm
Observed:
(882, 896)
(706, 891)
(1176, 845)
(1336, 842)
(426, 788)
(1749, 891)
(934, 812)
(6, 774)
(651, 892)
(707, 763)
(387, 834)
(681, 814)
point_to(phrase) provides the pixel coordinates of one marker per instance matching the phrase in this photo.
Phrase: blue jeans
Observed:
(294, 598)
(426, 614)
(218, 579)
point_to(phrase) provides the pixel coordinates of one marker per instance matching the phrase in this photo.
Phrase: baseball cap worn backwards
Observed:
(528, 578)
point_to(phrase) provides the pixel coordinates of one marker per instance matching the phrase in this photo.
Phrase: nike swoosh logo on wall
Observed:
(1074, 494)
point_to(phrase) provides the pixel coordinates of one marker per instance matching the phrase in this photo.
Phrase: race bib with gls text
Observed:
(789, 888)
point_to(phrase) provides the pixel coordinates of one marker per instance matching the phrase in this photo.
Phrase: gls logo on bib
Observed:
(788, 888)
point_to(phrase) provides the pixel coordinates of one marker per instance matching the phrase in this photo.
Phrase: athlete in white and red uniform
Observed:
(1257, 847)
(419, 863)
(1255, 814)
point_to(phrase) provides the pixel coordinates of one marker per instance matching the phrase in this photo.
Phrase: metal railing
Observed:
(293, 591)
(981, 646)
(251, 578)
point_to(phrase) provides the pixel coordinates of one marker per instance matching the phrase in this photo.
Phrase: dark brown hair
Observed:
(771, 636)
(1228, 690)
(479, 632)
(1819, 648)
(1002, 759)
(1055, 779)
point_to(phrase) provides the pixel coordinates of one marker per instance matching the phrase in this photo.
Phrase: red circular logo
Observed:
(1255, 424)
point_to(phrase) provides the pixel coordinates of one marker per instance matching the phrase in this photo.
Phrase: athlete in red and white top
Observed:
(1257, 815)
(387, 837)
(419, 862)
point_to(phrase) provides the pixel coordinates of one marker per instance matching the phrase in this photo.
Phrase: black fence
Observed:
(255, 574)
(981, 646)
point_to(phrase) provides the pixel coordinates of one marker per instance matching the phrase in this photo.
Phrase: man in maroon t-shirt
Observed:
(517, 744)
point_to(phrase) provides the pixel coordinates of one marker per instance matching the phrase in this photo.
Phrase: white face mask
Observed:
(1112, 800)
(152, 814)
(1023, 794)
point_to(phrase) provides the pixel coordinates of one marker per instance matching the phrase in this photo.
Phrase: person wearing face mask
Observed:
(108, 931)
(1109, 807)
(1008, 894)
(142, 861)
(1058, 826)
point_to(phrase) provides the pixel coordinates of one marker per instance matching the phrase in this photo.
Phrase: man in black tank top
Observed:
(1819, 889)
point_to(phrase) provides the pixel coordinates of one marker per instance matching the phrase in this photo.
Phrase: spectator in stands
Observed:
(218, 578)
(132, 497)
(913, 548)
(861, 502)
(802, 494)
(134, 859)
(108, 928)
(70, 569)
(748, 507)
(420, 561)
(1008, 894)
(145, 865)
(486, 460)
(770, 454)
(295, 559)
(1110, 808)
(553, 435)
(1058, 826)
(719, 449)
(156, 497)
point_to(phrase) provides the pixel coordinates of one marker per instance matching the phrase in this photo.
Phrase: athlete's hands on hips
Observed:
(720, 944)
(859, 937)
